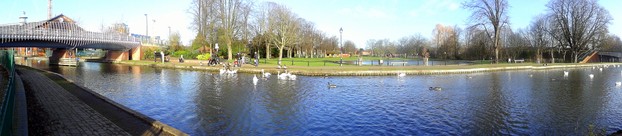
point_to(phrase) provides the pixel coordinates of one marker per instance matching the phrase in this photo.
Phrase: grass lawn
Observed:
(331, 65)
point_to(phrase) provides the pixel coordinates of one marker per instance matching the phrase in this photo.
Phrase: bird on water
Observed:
(435, 88)
(331, 85)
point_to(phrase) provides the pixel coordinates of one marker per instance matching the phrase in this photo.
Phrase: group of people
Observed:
(239, 60)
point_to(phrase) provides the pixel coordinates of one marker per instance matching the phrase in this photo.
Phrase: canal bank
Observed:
(369, 70)
(514, 102)
(57, 106)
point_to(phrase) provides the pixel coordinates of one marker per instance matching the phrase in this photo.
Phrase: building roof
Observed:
(58, 22)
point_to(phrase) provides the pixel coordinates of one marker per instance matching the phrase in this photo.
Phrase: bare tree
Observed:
(577, 23)
(283, 28)
(538, 36)
(223, 18)
(349, 47)
(490, 14)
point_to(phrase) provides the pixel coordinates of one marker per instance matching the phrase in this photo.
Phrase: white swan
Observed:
(565, 73)
(265, 74)
(292, 77)
(401, 74)
(591, 75)
(222, 71)
(618, 83)
(255, 80)
(232, 71)
(281, 76)
(601, 69)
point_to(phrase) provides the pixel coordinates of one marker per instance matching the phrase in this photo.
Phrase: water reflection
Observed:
(497, 103)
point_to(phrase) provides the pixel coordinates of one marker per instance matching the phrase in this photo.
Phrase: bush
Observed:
(148, 53)
(205, 56)
(182, 52)
(187, 54)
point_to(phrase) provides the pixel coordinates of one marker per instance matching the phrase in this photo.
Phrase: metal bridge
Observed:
(62, 32)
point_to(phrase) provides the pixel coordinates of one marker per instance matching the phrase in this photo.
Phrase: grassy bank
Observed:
(318, 68)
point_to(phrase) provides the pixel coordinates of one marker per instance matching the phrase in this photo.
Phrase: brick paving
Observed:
(52, 110)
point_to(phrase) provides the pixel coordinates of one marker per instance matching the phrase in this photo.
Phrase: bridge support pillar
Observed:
(112, 56)
(62, 57)
(136, 53)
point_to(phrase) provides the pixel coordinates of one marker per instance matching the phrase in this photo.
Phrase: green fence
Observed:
(6, 112)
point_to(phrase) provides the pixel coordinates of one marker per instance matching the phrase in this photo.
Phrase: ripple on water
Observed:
(492, 103)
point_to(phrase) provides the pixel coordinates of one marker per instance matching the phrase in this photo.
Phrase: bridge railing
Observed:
(61, 31)
(8, 98)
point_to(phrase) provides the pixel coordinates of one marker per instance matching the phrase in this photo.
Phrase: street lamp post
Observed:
(146, 25)
(341, 48)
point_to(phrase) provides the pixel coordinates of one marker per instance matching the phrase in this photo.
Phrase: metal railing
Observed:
(6, 112)
(61, 32)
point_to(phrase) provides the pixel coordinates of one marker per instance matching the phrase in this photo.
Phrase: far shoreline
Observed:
(350, 70)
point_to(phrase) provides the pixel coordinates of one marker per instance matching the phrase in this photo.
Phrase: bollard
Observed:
(307, 63)
(292, 62)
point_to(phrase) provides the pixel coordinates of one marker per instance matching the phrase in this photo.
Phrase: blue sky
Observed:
(360, 19)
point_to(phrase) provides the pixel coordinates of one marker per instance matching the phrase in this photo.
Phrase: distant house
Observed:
(365, 52)
(610, 56)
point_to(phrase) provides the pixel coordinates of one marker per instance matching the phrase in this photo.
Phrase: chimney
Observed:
(23, 18)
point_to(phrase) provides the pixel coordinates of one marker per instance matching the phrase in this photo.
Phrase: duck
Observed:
(618, 83)
(331, 85)
(530, 75)
(435, 88)
(402, 74)
(255, 79)
(469, 77)
(591, 75)
(601, 69)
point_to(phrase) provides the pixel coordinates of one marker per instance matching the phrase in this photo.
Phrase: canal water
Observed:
(523, 102)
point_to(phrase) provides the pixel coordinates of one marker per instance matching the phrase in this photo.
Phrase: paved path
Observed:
(55, 111)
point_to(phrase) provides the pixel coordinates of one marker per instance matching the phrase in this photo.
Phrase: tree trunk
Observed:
(538, 56)
(575, 55)
(280, 55)
(497, 45)
(565, 56)
(229, 50)
(267, 51)
(552, 57)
